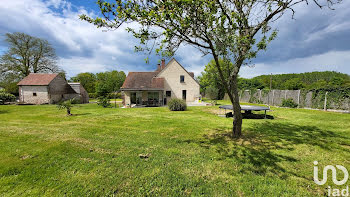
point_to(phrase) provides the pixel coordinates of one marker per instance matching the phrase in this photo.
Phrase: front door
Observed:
(133, 98)
(184, 94)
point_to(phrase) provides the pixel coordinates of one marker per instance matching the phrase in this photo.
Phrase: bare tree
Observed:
(27, 54)
(233, 30)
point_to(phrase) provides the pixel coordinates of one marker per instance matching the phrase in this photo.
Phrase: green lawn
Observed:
(96, 152)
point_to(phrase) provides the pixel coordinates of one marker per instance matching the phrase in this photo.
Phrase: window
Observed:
(184, 94)
(182, 79)
(153, 96)
(34, 93)
(168, 93)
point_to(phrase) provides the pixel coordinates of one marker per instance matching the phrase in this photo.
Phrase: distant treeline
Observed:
(212, 88)
(308, 80)
(101, 84)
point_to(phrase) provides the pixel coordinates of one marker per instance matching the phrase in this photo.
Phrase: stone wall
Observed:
(34, 94)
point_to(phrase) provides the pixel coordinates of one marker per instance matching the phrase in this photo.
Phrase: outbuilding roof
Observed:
(38, 79)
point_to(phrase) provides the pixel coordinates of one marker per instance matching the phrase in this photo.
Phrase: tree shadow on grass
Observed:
(264, 146)
(257, 116)
(3, 111)
(82, 114)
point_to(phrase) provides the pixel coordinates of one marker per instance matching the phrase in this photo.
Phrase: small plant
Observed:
(177, 105)
(104, 102)
(6, 97)
(68, 104)
(289, 103)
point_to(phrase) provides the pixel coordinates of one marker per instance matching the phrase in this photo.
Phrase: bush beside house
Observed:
(177, 105)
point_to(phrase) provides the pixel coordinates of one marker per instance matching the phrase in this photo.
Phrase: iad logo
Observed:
(335, 191)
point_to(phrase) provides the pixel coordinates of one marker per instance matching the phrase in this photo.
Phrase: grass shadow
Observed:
(257, 116)
(82, 114)
(3, 111)
(264, 146)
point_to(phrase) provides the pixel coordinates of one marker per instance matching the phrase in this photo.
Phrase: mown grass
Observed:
(96, 152)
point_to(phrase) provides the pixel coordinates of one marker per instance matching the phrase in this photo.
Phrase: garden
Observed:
(155, 151)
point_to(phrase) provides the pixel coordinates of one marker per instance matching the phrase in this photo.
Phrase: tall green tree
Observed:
(210, 78)
(108, 82)
(226, 29)
(87, 80)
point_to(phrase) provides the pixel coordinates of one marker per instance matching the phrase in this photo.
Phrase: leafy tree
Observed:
(294, 84)
(104, 102)
(87, 80)
(108, 82)
(211, 92)
(68, 104)
(6, 97)
(309, 79)
(318, 85)
(28, 54)
(336, 81)
(246, 84)
(9, 83)
(223, 28)
(211, 78)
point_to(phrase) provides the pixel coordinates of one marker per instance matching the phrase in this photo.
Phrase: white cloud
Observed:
(84, 48)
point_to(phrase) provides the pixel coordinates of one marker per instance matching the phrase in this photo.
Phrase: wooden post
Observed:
(273, 96)
(325, 102)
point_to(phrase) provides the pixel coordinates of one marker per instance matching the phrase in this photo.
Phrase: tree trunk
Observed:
(237, 115)
(68, 112)
(234, 97)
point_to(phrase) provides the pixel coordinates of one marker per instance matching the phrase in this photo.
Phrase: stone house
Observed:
(43, 88)
(156, 88)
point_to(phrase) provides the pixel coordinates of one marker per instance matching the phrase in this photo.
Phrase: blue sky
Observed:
(316, 40)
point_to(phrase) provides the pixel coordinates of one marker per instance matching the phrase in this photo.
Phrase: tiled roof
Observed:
(37, 79)
(143, 80)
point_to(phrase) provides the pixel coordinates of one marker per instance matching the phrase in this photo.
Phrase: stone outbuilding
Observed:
(43, 88)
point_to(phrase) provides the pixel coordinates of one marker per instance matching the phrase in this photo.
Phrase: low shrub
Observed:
(104, 102)
(6, 97)
(177, 105)
(289, 103)
(92, 95)
(68, 104)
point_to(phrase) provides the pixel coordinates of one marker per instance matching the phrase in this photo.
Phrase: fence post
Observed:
(299, 98)
(259, 96)
(325, 102)
(273, 96)
(285, 94)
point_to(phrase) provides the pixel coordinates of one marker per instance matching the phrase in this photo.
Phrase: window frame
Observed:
(182, 78)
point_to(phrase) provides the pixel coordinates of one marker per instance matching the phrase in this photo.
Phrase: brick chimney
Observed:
(158, 68)
(163, 64)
